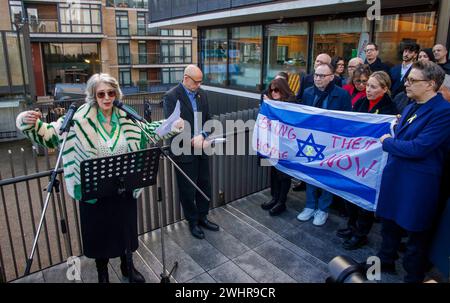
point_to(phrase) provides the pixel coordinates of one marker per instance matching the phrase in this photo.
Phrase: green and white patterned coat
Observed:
(82, 140)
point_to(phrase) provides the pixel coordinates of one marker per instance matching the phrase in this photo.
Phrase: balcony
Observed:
(128, 3)
(44, 26)
(143, 32)
(146, 59)
(149, 60)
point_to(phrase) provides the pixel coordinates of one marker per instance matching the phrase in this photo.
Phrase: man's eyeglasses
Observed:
(412, 80)
(102, 94)
(321, 76)
(196, 82)
(369, 50)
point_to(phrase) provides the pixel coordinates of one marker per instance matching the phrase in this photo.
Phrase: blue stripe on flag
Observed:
(341, 127)
(333, 180)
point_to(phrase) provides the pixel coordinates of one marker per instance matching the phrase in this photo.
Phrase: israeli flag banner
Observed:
(335, 150)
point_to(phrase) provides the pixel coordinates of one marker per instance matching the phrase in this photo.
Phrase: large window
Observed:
(287, 49)
(176, 32)
(245, 56)
(142, 52)
(70, 63)
(16, 13)
(125, 77)
(176, 51)
(214, 47)
(172, 75)
(122, 26)
(127, 3)
(14, 59)
(236, 57)
(339, 37)
(394, 30)
(141, 24)
(3, 71)
(123, 53)
(80, 18)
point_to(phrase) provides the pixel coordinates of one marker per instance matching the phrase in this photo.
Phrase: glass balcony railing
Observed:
(44, 26)
(142, 31)
(146, 58)
(128, 3)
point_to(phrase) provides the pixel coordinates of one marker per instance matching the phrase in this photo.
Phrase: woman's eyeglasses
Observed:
(102, 94)
(275, 90)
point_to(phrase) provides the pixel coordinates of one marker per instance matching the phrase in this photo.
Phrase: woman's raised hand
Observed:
(31, 117)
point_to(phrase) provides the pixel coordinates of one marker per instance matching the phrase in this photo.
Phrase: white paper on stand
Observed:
(166, 126)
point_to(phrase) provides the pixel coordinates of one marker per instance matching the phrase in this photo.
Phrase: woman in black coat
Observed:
(377, 101)
(280, 182)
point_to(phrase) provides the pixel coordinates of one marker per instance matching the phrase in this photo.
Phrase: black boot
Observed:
(277, 209)
(355, 242)
(137, 277)
(102, 270)
(269, 204)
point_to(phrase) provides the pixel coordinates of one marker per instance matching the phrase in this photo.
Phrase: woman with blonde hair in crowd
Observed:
(377, 101)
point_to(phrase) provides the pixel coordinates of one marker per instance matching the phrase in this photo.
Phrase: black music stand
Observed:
(122, 173)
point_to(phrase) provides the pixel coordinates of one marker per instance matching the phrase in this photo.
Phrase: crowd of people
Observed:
(411, 195)
(411, 187)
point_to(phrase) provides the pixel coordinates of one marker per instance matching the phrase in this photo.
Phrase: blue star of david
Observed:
(310, 150)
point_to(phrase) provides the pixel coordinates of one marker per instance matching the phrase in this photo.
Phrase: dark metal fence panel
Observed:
(232, 177)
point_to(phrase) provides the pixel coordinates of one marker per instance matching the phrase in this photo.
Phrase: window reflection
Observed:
(245, 56)
(287, 50)
(70, 63)
(14, 59)
(80, 18)
(339, 37)
(214, 56)
(392, 31)
(172, 75)
(3, 72)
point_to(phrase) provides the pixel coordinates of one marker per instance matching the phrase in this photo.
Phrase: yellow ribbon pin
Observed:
(410, 120)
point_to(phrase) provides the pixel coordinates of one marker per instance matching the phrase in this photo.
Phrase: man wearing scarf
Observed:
(324, 94)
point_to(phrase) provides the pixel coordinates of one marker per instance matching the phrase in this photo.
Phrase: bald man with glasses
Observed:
(194, 110)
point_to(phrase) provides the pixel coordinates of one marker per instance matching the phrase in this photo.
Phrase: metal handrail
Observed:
(232, 177)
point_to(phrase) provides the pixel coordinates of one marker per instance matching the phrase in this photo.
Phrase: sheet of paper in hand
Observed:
(166, 126)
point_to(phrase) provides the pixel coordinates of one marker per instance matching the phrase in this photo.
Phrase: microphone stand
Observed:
(53, 184)
(164, 277)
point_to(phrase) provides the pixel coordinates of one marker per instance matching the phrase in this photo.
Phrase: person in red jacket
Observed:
(358, 82)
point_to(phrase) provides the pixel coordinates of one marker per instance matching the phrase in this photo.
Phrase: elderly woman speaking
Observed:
(99, 130)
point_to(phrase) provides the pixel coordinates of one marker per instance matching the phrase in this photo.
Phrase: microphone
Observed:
(129, 111)
(67, 123)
